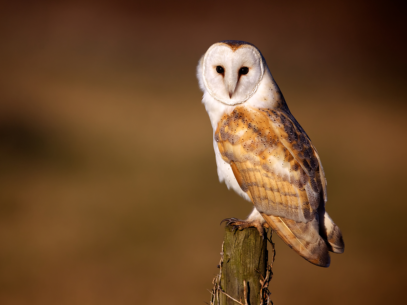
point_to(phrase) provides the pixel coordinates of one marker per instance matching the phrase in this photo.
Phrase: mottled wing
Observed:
(274, 162)
(282, 181)
(296, 140)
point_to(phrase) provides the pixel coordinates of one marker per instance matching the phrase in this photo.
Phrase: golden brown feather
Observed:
(275, 163)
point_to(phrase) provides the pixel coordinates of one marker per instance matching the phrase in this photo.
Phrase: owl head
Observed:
(231, 71)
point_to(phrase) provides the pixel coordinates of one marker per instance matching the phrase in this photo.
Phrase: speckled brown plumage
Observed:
(275, 163)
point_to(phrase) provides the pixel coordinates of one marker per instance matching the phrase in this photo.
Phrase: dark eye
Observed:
(220, 70)
(243, 70)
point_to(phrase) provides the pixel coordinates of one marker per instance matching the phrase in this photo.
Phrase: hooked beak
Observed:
(230, 83)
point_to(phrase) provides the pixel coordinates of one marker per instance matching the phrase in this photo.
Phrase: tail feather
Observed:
(303, 238)
(333, 235)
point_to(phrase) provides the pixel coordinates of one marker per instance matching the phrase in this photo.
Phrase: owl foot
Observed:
(239, 224)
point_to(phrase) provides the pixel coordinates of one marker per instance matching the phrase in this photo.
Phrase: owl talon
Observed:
(228, 220)
(239, 224)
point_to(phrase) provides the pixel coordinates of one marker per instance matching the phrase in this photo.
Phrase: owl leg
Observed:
(255, 220)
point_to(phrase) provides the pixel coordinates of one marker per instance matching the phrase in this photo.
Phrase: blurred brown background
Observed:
(109, 192)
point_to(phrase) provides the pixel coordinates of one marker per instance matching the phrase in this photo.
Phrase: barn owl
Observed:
(263, 153)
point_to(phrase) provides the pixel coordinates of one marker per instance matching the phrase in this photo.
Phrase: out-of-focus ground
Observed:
(108, 184)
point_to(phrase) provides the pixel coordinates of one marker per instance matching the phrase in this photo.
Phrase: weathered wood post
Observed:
(244, 271)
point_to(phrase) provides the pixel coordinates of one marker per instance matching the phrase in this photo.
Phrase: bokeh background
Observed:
(108, 184)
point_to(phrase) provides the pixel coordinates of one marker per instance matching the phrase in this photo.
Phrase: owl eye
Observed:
(243, 70)
(220, 70)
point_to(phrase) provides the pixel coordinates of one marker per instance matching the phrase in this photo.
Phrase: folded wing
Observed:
(275, 163)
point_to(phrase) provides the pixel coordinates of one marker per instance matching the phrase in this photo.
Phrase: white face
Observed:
(232, 76)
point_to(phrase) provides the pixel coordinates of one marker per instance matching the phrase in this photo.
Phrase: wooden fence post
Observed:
(244, 271)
